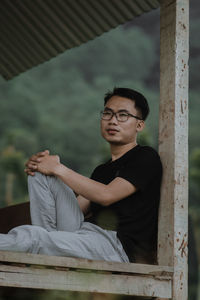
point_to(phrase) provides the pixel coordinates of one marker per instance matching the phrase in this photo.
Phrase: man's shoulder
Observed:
(144, 151)
(99, 169)
(145, 156)
(148, 150)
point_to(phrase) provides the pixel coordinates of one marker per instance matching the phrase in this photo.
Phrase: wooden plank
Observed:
(173, 142)
(14, 215)
(138, 285)
(77, 263)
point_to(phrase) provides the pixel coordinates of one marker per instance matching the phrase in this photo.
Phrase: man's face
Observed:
(121, 133)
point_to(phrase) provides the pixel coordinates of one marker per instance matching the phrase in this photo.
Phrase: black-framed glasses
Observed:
(120, 116)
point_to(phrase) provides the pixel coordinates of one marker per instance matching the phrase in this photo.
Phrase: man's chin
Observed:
(114, 142)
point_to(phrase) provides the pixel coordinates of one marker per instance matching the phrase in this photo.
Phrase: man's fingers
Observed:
(42, 153)
(29, 172)
(31, 166)
(47, 152)
(29, 163)
(35, 158)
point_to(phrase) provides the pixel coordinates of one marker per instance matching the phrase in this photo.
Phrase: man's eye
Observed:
(107, 113)
(123, 114)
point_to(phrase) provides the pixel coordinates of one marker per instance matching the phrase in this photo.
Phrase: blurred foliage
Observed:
(56, 106)
(195, 192)
(195, 167)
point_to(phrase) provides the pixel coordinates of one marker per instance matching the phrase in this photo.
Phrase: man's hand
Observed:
(48, 164)
(31, 164)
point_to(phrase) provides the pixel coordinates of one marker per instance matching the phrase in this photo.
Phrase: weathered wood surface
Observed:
(14, 215)
(77, 263)
(173, 142)
(34, 276)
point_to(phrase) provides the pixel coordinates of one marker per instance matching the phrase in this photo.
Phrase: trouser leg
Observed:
(90, 242)
(55, 210)
(53, 204)
(23, 238)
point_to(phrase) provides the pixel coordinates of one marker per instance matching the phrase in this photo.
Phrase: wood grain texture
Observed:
(14, 215)
(79, 280)
(78, 263)
(173, 142)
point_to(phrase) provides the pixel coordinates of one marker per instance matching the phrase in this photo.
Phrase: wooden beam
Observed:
(64, 273)
(173, 141)
(78, 263)
(79, 280)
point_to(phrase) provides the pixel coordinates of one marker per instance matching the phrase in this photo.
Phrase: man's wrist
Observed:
(60, 169)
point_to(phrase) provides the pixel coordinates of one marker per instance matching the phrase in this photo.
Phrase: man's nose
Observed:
(114, 119)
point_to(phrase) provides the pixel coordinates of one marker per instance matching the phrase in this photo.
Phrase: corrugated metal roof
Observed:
(33, 31)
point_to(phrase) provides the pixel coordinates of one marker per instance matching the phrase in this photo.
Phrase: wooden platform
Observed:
(61, 273)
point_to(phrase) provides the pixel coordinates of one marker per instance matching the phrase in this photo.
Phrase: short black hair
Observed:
(140, 101)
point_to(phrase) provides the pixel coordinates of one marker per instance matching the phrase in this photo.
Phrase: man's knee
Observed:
(38, 177)
(40, 180)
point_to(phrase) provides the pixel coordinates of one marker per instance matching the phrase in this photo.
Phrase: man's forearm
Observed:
(88, 188)
(104, 194)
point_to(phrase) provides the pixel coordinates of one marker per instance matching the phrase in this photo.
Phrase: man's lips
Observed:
(112, 130)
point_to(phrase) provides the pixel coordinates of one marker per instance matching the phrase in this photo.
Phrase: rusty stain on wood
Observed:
(182, 107)
(183, 247)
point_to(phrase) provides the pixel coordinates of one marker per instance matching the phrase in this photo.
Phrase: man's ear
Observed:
(140, 125)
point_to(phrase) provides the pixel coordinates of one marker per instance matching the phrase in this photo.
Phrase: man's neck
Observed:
(119, 150)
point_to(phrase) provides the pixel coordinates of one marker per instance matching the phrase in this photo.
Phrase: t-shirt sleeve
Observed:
(96, 171)
(140, 170)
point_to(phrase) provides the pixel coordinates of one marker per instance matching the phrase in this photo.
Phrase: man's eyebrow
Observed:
(107, 108)
(123, 110)
(120, 110)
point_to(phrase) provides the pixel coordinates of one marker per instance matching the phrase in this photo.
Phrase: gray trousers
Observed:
(58, 226)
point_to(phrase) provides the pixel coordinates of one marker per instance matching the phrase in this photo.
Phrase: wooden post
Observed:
(173, 142)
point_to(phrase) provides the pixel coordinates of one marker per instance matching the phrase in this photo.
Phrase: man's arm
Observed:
(95, 191)
(88, 188)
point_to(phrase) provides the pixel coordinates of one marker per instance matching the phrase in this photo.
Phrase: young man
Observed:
(121, 197)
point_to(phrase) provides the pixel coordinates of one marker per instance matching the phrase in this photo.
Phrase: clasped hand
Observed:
(42, 162)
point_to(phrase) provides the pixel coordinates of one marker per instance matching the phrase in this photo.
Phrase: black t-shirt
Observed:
(134, 218)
